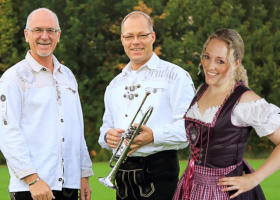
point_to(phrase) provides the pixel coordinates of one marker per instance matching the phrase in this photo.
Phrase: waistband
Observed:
(206, 171)
(153, 160)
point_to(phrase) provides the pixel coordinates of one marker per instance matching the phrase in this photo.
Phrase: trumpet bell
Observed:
(107, 182)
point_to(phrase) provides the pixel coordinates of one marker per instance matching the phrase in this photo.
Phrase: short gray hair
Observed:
(139, 13)
(46, 9)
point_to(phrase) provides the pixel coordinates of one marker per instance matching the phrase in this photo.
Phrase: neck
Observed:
(135, 66)
(226, 88)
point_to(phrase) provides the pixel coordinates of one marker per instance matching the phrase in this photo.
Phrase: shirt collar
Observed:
(152, 63)
(37, 67)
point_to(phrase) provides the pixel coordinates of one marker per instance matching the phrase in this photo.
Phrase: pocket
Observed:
(121, 184)
(146, 188)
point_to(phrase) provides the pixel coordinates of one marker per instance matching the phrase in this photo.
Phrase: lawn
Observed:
(271, 185)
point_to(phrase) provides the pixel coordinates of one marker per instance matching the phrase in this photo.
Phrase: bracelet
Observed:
(35, 181)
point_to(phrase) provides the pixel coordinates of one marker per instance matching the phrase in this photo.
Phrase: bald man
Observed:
(41, 127)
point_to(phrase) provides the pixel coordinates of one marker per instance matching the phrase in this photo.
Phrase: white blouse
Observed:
(264, 117)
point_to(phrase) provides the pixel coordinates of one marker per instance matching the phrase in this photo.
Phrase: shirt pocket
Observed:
(159, 93)
(67, 93)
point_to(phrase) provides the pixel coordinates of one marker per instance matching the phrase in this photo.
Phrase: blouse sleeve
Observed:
(264, 117)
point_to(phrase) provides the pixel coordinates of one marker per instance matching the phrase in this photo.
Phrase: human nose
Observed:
(135, 39)
(45, 34)
(211, 64)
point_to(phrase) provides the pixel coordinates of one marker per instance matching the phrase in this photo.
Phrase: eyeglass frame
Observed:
(40, 31)
(142, 36)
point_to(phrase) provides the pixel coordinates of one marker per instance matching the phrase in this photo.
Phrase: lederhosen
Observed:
(216, 150)
(154, 177)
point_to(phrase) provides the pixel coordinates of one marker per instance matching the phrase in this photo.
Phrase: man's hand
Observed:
(39, 190)
(85, 191)
(146, 136)
(113, 137)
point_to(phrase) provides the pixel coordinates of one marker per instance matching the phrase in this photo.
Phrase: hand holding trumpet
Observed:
(144, 137)
(134, 137)
(113, 137)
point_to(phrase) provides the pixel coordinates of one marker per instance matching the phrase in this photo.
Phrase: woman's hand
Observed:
(242, 184)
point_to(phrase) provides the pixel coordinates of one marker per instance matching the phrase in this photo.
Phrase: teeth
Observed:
(136, 49)
(212, 74)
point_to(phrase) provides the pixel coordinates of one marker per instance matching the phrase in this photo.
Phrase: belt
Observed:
(151, 161)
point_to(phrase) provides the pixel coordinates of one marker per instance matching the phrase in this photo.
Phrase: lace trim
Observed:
(212, 124)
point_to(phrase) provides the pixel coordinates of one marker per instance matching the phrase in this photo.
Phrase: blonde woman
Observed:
(218, 123)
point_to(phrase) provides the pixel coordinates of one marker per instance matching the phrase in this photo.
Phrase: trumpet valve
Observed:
(130, 132)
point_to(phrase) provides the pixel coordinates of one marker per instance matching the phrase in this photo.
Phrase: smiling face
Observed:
(216, 63)
(42, 44)
(137, 40)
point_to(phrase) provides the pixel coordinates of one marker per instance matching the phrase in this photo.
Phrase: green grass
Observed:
(271, 185)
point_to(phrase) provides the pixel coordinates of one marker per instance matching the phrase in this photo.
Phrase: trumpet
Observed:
(122, 149)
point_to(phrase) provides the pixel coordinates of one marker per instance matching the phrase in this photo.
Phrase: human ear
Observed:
(237, 63)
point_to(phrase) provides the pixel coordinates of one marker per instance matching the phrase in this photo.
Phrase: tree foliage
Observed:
(90, 43)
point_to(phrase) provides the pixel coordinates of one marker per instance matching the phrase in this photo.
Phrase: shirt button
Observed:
(5, 122)
(3, 97)
(61, 120)
(125, 115)
(131, 88)
(60, 179)
(130, 97)
(62, 139)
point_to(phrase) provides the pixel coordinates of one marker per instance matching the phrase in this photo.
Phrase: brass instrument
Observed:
(122, 148)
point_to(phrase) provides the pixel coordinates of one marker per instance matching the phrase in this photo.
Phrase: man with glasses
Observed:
(41, 127)
(151, 170)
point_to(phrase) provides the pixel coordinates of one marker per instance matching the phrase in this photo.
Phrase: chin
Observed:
(210, 82)
(44, 54)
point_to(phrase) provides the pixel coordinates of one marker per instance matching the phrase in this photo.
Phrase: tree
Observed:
(90, 43)
(8, 30)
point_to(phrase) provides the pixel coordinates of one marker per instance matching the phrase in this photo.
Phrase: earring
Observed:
(199, 69)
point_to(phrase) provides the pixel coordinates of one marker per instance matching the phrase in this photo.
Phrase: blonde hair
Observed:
(236, 51)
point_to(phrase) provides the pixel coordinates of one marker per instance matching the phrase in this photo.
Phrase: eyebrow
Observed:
(221, 57)
(216, 57)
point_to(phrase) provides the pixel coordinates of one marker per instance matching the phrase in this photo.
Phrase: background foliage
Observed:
(90, 44)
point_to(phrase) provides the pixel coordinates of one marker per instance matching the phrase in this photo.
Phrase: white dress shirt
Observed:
(41, 127)
(264, 117)
(172, 91)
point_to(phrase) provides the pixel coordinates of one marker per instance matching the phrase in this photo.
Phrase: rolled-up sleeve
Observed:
(86, 164)
(12, 142)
